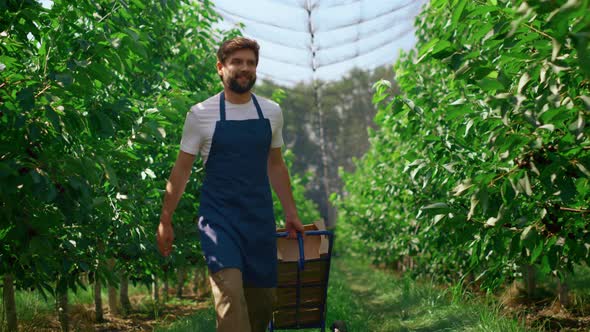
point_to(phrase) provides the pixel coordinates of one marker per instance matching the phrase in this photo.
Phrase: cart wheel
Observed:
(338, 326)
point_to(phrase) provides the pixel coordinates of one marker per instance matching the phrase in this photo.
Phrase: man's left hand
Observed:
(293, 226)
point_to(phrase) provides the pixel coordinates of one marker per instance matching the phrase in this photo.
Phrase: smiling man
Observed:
(239, 137)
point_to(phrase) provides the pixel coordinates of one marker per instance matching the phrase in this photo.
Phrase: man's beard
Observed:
(235, 86)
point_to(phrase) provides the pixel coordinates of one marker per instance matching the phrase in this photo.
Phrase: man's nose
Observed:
(245, 67)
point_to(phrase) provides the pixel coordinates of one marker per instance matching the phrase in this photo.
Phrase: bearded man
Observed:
(239, 137)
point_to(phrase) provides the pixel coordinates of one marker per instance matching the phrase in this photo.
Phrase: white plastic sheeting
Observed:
(303, 40)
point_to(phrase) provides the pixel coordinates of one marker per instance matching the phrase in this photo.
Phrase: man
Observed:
(239, 137)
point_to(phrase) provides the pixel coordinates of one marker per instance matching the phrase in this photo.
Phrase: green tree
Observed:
(480, 167)
(92, 100)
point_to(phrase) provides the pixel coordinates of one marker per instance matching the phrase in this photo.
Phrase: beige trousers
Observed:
(240, 309)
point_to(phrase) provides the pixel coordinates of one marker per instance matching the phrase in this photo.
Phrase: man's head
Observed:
(237, 59)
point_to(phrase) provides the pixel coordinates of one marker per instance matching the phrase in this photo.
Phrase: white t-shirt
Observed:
(199, 125)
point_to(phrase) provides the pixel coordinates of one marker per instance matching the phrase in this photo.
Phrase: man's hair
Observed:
(230, 46)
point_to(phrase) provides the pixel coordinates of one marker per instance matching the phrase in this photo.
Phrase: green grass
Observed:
(579, 283)
(203, 320)
(31, 304)
(367, 299)
(377, 301)
(374, 300)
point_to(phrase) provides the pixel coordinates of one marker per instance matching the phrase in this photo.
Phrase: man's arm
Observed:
(174, 190)
(279, 179)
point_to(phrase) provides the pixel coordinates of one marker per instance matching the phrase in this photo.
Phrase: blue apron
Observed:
(237, 224)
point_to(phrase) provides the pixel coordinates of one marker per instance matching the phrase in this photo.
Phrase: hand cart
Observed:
(302, 290)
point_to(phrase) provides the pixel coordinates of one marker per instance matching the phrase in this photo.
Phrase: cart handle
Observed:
(301, 262)
(285, 234)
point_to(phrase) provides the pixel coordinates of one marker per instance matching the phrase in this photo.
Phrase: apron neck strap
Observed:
(258, 109)
(222, 106)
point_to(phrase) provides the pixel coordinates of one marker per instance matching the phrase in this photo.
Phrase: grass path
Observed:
(372, 300)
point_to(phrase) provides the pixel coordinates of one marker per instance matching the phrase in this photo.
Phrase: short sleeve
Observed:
(277, 134)
(191, 135)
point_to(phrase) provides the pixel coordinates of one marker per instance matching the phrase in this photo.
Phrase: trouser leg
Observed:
(260, 303)
(230, 301)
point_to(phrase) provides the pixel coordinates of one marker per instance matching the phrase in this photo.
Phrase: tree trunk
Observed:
(9, 303)
(196, 281)
(165, 288)
(98, 299)
(155, 290)
(62, 305)
(85, 278)
(530, 280)
(180, 277)
(112, 290)
(201, 282)
(113, 309)
(400, 265)
(563, 293)
(124, 293)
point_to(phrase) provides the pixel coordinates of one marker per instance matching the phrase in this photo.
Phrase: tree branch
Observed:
(43, 91)
(573, 210)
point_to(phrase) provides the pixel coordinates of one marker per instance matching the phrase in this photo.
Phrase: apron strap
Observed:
(222, 106)
(258, 109)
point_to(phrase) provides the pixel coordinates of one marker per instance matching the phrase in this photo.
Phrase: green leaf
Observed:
(139, 4)
(106, 126)
(536, 252)
(457, 12)
(527, 233)
(474, 201)
(5, 231)
(26, 99)
(436, 206)
(508, 193)
(461, 188)
(545, 267)
(524, 184)
(53, 117)
(440, 47)
(524, 79)
(110, 174)
(581, 41)
(427, 48)
(480, 10)
(490, 84)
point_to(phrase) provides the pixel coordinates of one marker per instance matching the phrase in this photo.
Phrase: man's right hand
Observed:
(165, 236)
(174, 189)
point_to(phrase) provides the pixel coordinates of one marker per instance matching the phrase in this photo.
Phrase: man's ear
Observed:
(219, 67)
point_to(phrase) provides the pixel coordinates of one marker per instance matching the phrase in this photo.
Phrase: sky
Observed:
(346, 34)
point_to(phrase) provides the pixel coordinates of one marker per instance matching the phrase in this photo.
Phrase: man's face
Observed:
(239, 71)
